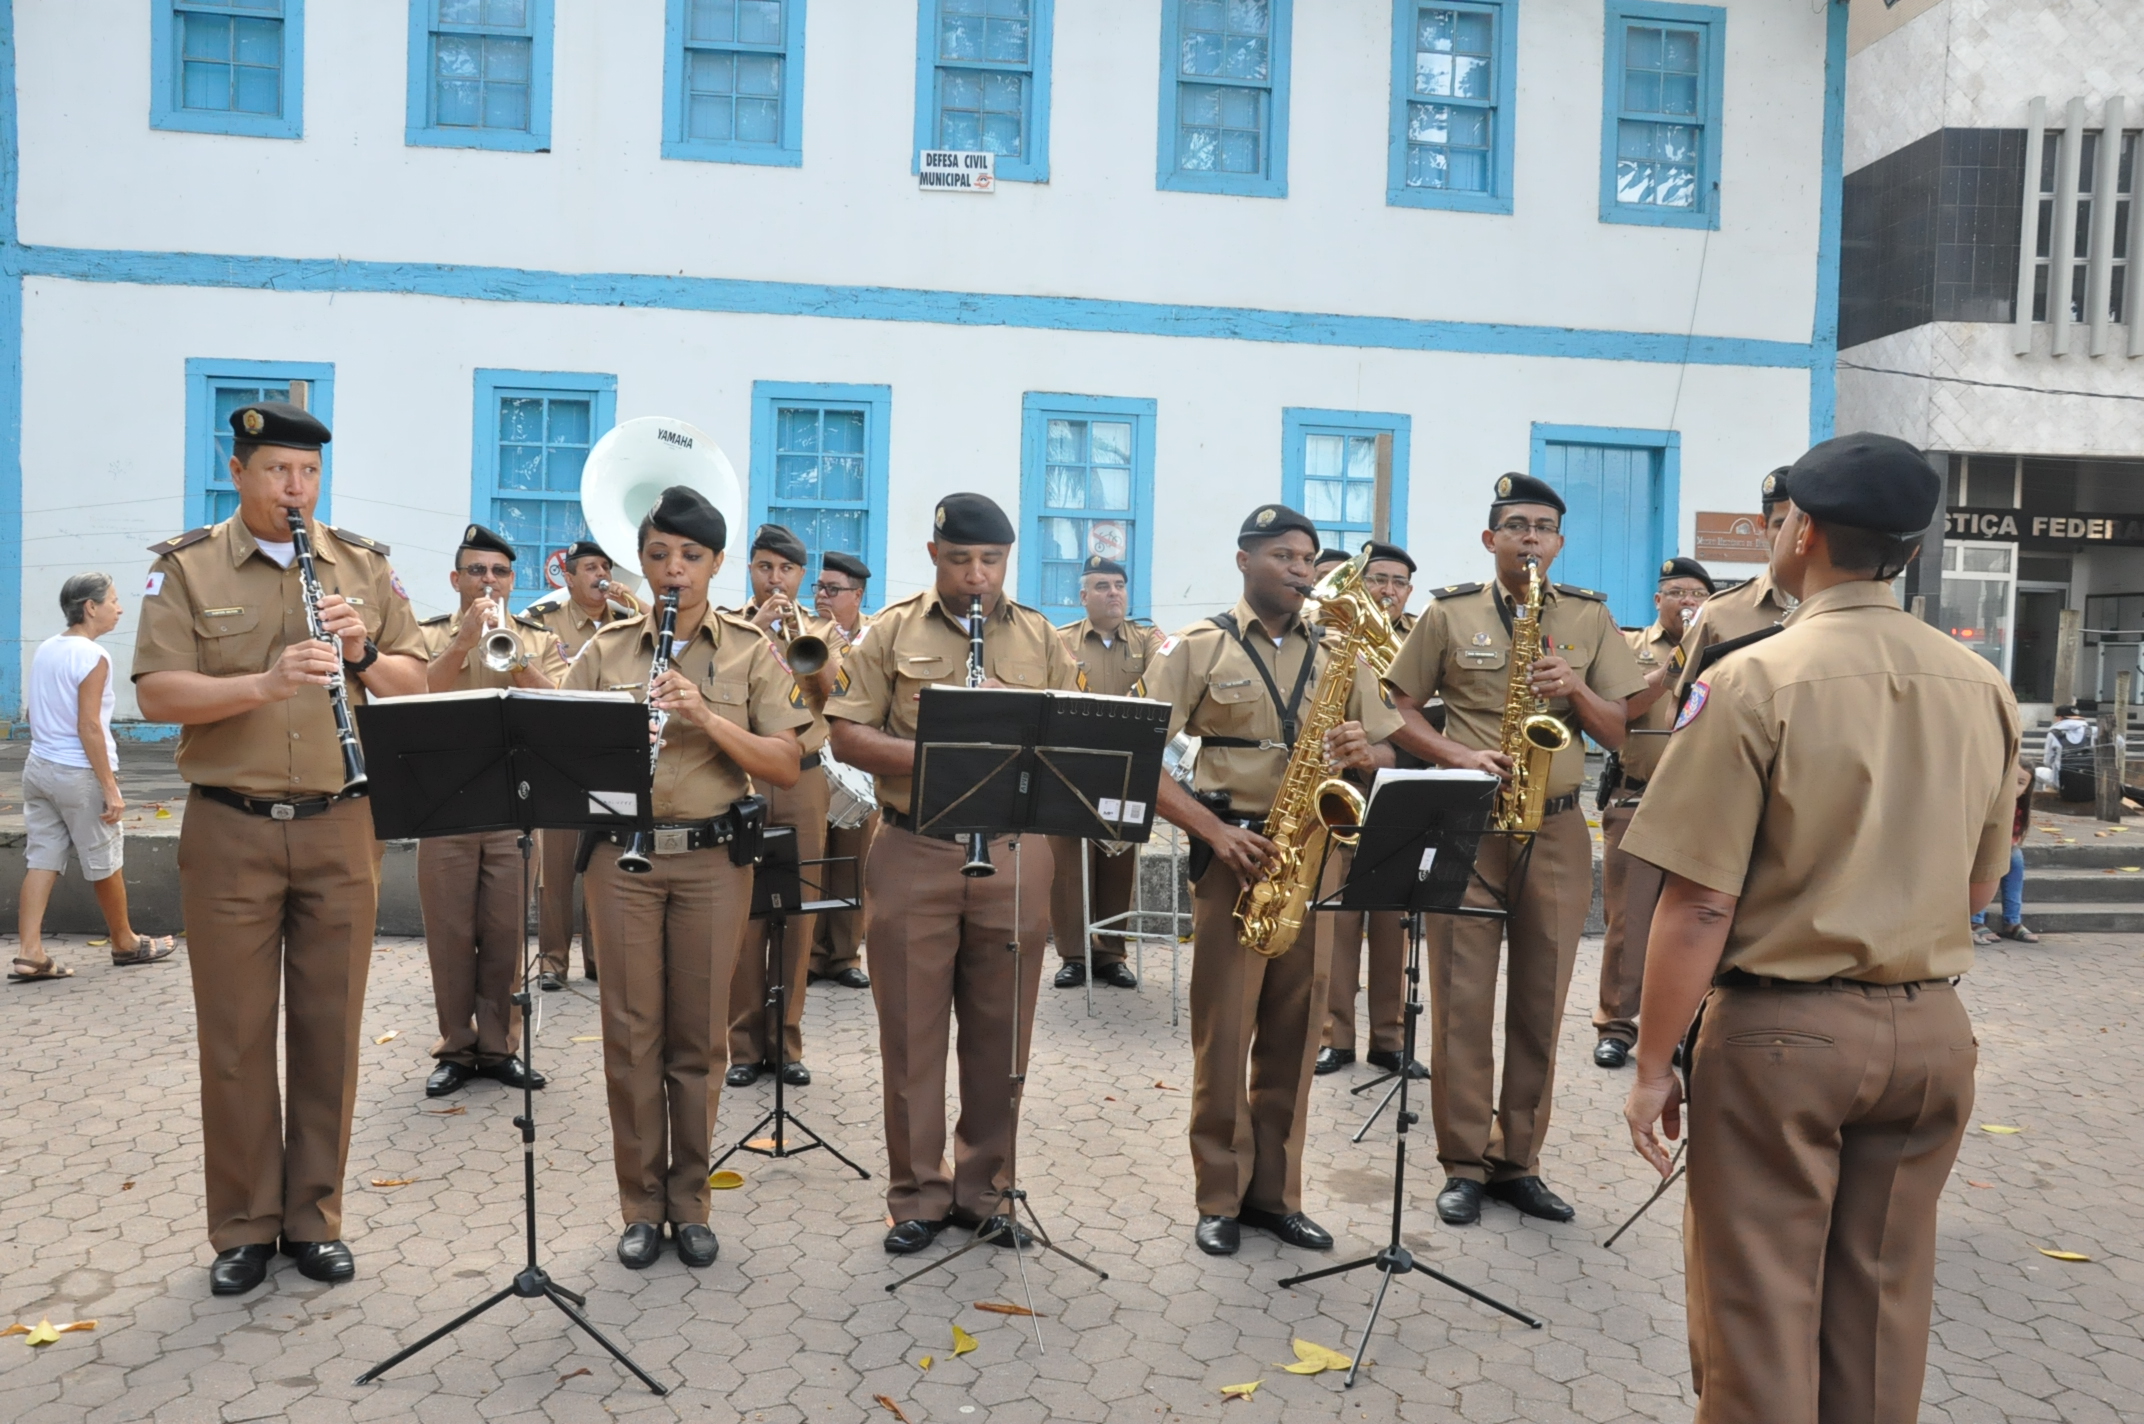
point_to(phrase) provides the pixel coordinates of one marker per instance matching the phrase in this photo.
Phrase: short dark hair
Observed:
(242, 451)
(1880, 555)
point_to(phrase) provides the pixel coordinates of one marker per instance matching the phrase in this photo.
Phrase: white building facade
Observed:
(1359, 255)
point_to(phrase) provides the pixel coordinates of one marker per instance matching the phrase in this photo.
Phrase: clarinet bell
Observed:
(635, 858)
(978, 857)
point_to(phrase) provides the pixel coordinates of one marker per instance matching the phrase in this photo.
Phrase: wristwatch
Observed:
(372, 655)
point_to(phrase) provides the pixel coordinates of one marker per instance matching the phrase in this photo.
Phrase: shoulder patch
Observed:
(359, 540)
(1168, 645)
(1456, 590)
(1574, 591)
(1693, 702)
(180, 541)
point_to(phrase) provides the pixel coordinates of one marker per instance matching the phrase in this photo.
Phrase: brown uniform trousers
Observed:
(559, 906)
(1110, 879)
(1247, 1133)
(469, 888)
(937, 947)
(837, 940)
(1388, 966)
(1824, 1119)
(804, 807)
(277, 910)
(1629, 889)
(1486, 1133)
(669, 942)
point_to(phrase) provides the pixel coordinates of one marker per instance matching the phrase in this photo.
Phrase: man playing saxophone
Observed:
(1461, 650)
(1243, 681)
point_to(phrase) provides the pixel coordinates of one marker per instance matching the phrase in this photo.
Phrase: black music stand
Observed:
(778, 889)
(1001, 762)
(1418, 843)
(456, 763)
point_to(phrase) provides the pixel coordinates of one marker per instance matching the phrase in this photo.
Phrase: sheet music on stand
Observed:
(1421, 830)
(1062, 763)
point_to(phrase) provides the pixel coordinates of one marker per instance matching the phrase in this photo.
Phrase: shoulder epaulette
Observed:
(1574, 591)
(180, 541)
(738, 620)
(1456, 590)
(917, 597)
(434, 621)
(1630, 628)
(374, 545)
(527, 622)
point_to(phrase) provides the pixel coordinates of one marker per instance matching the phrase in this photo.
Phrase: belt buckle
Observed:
(673, 840)
(282, 811)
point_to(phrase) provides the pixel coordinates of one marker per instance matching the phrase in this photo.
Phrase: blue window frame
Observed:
(1086, 487)
(228, 67)
(1329, 472)
(733, 81)
(1454, 75)
(216, 388)
(1660, 122)
(819, 455)
(1623, 489)
(983, 81)
(533, 431)
(480, 74)
(1224, 96)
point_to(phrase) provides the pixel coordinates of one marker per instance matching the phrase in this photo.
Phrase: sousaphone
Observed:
(630, 467)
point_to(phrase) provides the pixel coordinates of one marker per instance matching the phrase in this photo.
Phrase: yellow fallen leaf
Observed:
(98, 943)
(882, 1399)
(2132, 869)
(1317, 1358)
(456, 1111)
(392, 1181)
(1998, 1128)
(725, 1180)
(73, 1325)
(41, 1334)
(1240, 1391)
(761, 1144)
(1304, 1368)
(963, 1342)
(16, 1329)
(2063, 1255)
(926, 1362)
(163, 813)
(388, 1037)
(586, 1038)
(999, 1307)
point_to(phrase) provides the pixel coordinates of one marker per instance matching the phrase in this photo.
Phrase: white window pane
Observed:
(841, 477)
(1063, 441)
(1361, 499)
(460, 12)
(712, 20)
(507, 60)
(844, 432)
(1323, 500)
(1112, 442)
(759, 21)
(1064, 487)
(796, 429)
(570, 420)
(1110, 489)
(507, 14)
(1249, 17)
(1433, 75)
(1321, 456)
(521, 420)
(1362, 457)
(796, 476)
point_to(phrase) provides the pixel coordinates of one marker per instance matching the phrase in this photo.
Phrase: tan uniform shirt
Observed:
(216, 604)
(1116, 668)
(537, 644)
(918, 640)
(1744, 609)
(813, 737)
(1205, 674)
(1460, 650)
(735, 669)
(1847, 779)
(1647, 741)
(568, 624)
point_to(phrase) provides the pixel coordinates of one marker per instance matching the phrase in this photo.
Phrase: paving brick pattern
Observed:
(100, 1217)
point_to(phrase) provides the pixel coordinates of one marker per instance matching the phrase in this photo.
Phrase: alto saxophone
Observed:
(1313, 804)
(1530, 735)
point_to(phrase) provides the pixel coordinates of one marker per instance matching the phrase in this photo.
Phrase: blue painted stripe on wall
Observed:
(849, 303)
(1824, 330)
(10, 387)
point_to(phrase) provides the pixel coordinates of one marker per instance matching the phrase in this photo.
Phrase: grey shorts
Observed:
(63, 808)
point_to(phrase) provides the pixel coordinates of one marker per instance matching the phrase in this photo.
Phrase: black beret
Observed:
(775, 538)
(1516, 488)
(1096, 564)
(583, 549)
(686, 513)
(848, 564)
(279, 423)
(476, 536)
(971, 519)
(1683, 566)
(1332, 556)
(1774, 488)
(1271, 520)
(1390, 554)
(1866, 481)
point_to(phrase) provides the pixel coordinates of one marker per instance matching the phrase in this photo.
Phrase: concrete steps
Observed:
(2086, 888)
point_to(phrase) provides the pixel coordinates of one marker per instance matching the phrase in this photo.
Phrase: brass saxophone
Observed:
(1531, 736)
(1313, 804)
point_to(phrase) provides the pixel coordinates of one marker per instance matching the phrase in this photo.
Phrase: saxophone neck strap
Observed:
(1290, 724)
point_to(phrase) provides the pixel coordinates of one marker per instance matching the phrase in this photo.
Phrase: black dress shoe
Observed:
(909, 1237)
(240, 1269)
(796, 1075)
(696, 1244)
(328, 1261)
(588, 970)
(1117, 975)
(741, 1075)
(1218, 1235)
(1332, 1060)
(1071, 975)
(1459, 1202)
(514, 1074)
(448, 1078)
(1003, 1230)
(1389, 1060)
(1295, 1228)
(551, 983)
(640, 1245)
(1532, 1197)
(852, 978)
(1611, 1053)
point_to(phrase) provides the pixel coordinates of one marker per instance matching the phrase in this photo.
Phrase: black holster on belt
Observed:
(1611, 778)
(1201, 853)
(748, 814)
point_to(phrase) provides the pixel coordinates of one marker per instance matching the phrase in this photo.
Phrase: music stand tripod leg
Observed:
(776, 1030)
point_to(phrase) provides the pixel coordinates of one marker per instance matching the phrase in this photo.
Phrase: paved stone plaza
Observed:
(100, 1217)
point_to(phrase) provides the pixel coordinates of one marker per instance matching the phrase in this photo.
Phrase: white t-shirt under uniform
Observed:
(56, 673)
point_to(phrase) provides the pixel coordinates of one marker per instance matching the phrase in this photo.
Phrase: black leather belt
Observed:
(1556, 806)
(295, 808)
(1630, 785)
(1743, 979)
(678, 837)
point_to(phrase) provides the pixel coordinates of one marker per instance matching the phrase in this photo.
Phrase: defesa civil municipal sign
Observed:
(957, 171)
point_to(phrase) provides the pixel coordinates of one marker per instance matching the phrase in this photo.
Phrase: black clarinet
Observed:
(978, 843)
(636, 859)
(353, 756)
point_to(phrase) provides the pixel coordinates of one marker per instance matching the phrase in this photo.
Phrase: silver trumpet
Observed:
(501, 646)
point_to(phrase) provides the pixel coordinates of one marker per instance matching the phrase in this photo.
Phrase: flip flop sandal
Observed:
(146, 951)
(31, 971)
